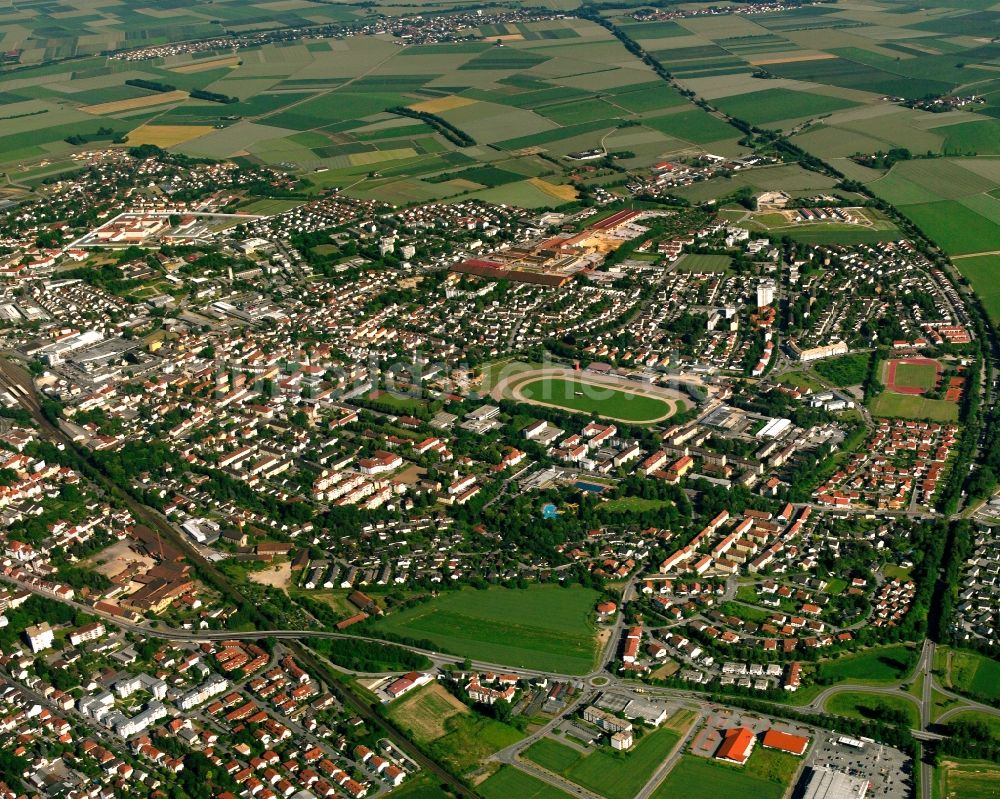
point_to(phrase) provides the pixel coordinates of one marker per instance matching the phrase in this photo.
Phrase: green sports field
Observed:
(596, 399)
(916, 375)
(913, 406)
(542, 627)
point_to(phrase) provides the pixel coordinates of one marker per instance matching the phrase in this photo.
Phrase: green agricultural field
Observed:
(975, 674)
(983, 272)
(700, 778)
(955, 228)
(979, 138)
(871, 707)
(887, 664)
(542, 627)
(695, 126)
(849, 370)
(773, 105)
(966, 779)
(613, 775)
(913, 406)
(595, 399)
(510, 782)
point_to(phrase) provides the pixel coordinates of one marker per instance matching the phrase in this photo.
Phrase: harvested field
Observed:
(791, 59)
(167, 135)
(204, 66)
(563, 193)
(118, 106)
(439, 104)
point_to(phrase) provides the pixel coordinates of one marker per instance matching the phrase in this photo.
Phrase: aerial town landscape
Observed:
(438, 401)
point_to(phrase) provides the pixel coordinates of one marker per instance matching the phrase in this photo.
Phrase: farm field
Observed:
(699, 778)
(773, 105)
(950, 200)
(542, 627)
(983, 272)
(966, 779)
(425, 713)
(594, 398)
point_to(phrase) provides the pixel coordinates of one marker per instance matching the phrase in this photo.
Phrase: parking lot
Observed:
(889, 771)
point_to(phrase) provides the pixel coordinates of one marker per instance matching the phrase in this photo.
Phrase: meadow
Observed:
(975, 674)
(542, 627)
(614, 775)
(595, 399)
(510, 781)
(887, 664)
(700, 778)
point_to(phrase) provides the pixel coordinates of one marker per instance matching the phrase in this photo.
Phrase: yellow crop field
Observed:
(378, 156)
(212, 63)
(167, 135)
(118, 106)
(439, 104)
(560, 192)
(791, 59)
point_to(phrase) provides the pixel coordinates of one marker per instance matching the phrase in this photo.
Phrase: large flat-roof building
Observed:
(825, 783)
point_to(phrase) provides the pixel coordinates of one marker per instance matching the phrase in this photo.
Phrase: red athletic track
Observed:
(891, 375)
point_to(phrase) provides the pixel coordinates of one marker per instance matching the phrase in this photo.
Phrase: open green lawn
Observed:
(598, 399)
(542, 627)
(552, 755)
(886, 664)
(693, 262)
(511, 782)
(614, 775)
(983, 272)
(699, 778)
(870, 706)
(975, 674)
(967, 779)
(910, 406)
